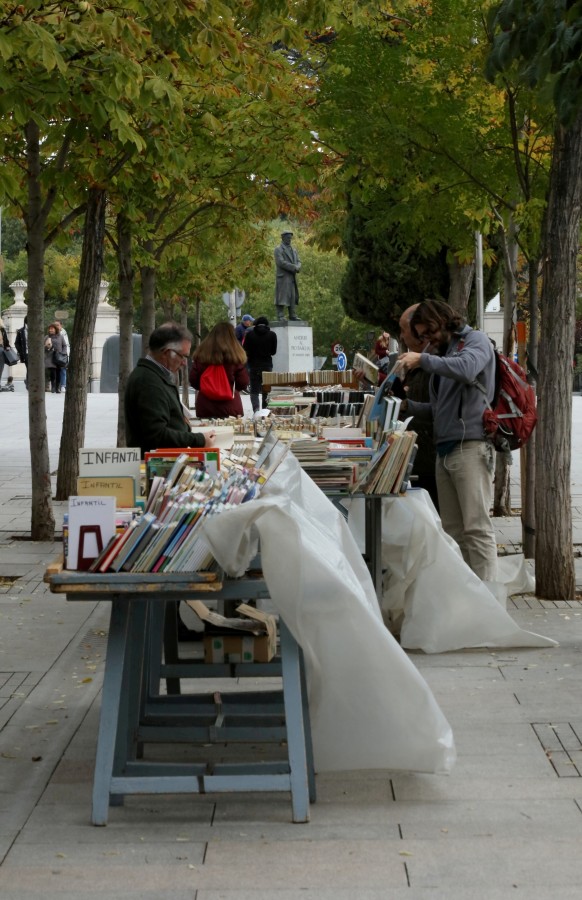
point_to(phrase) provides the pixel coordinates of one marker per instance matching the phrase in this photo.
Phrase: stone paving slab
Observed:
(488, 863)
(505, 823)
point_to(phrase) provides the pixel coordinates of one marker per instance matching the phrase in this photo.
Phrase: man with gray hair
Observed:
(154, 416)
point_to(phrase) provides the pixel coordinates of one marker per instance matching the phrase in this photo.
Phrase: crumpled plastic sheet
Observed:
(431, 595)
(369, 706)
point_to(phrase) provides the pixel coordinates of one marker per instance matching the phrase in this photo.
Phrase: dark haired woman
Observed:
(220, 348)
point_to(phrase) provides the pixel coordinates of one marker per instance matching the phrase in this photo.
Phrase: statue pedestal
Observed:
(294, 346)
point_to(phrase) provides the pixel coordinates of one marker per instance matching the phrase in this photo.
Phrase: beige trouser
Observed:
(464, 480)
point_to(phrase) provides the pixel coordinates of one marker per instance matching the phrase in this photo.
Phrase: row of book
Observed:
(388, 470)
(169, 537)
(319, 377)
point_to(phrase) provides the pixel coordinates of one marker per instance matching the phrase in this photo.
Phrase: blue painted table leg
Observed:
(307, 727)
(156, 643)
(295, 729)
(171, 643)
(133, 686)
(110, 702)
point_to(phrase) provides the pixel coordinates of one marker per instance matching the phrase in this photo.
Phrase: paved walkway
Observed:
(506, 823)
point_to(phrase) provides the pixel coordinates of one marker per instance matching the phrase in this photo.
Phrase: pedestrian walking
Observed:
(7, 357)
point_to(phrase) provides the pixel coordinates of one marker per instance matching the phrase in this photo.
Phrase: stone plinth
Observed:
(106, 324)
(294, 346)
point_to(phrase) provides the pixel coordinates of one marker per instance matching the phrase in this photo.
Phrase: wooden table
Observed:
(141, 652)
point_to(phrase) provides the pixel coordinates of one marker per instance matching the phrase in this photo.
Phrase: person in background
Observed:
(4, 345)
(241, 331)
(465, 458)
(154, 418)
(62, 331)
(242, 328)
(260, 346)
(53, 342)
(415, 386)
(382, 346)
(220, 348)
(21, 347)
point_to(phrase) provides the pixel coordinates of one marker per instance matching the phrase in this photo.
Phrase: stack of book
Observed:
(309, 451)
(331, 476)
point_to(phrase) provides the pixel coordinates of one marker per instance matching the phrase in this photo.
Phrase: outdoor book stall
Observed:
(333, 645)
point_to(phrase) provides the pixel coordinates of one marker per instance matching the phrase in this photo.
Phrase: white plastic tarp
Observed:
(430, 593)
(369, 706)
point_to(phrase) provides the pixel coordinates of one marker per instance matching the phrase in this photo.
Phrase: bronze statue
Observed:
(286, 290)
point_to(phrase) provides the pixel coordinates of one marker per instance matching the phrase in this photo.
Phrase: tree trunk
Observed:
(126, 277)
(197, 337)
(555, 578)
(148, 288)
(510, 255)
(461, 280)
(528, 493)
(148, 304)
(91, 268)
(185, 372)
(502, 485)
(42, 526)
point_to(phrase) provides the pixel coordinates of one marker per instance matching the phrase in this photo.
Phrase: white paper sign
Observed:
(99, 462)
(91, 527)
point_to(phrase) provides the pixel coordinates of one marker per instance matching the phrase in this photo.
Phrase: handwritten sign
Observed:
(121, 487)
(109, 461)
(91, 526)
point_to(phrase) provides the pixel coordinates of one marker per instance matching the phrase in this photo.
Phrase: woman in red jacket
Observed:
(219, 349)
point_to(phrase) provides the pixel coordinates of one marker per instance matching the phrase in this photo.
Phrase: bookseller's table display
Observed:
(368, 705)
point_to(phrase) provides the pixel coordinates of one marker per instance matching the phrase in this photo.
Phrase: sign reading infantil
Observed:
(107, 461)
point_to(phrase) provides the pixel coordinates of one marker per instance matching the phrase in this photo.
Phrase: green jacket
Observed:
(154, 418)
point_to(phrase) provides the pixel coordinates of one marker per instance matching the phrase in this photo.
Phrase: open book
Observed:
(366, 365)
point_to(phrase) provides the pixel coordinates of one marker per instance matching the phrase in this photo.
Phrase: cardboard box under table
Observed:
(250, 638)
(151, 741)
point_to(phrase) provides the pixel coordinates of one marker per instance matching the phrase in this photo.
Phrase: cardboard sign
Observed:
(122, 488)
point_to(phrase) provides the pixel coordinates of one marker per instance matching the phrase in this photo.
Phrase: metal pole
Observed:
(232, 308)
(479, 279)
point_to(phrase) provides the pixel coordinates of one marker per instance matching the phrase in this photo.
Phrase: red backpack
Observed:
(215, 385)
(512, 416)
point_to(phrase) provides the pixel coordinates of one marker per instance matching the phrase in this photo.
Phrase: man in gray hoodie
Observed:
(465, 458)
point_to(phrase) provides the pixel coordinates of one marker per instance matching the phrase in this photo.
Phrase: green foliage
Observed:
(61, 279)
(542, 41)
(419, 135)
(384, 276)
(13, 236)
